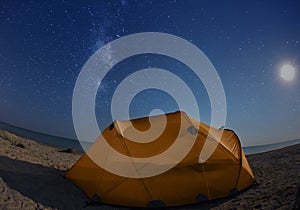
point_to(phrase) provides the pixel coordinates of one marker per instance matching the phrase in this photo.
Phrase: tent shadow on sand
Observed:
(41, 184)
(49, 187)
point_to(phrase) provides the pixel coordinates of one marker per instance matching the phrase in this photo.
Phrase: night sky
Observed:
(44, 45)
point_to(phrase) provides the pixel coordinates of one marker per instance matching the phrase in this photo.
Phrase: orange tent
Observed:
(190, 180)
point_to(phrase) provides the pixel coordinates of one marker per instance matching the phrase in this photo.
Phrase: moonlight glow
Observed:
(287, 72)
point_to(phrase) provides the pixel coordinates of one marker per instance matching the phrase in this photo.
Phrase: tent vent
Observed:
(192, 130)
(201, 198)
(156, 204)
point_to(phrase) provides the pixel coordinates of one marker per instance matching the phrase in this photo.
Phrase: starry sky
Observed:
(44, 45)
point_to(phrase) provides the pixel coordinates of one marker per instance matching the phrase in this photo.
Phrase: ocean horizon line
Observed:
(64, 142)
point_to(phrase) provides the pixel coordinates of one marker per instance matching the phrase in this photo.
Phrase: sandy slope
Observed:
(32, 178)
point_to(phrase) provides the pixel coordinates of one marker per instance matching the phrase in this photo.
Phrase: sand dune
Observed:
(31, 177)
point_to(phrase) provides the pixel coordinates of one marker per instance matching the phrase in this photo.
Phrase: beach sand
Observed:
(31, 177)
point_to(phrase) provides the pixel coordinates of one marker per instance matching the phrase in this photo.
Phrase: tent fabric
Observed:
(191, 180)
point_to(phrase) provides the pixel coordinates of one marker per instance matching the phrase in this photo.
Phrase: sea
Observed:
(72, 143)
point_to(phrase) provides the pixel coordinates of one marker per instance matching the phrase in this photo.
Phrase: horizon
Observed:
(51, 135)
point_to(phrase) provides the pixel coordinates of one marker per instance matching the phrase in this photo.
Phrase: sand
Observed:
(31, 177)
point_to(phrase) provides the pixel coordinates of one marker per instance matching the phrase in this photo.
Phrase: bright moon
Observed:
(287, 72)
